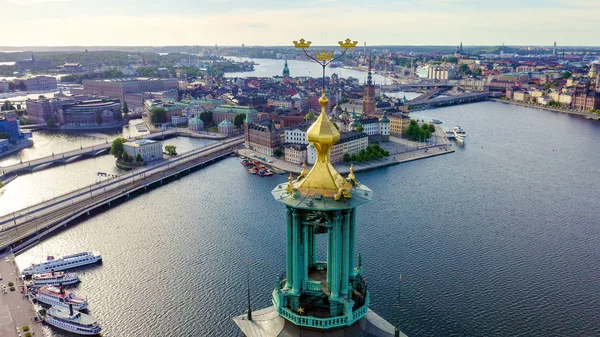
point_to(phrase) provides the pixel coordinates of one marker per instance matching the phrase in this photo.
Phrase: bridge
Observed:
(414, 86)
(27, 226)
(445, 101)
(69, 156)
(430, 94)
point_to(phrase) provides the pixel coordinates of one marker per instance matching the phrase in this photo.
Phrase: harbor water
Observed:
(499, 238)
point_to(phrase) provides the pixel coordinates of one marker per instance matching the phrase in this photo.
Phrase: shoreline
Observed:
(17, 148)
(587, 115)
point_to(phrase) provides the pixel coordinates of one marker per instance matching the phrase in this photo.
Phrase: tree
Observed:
(238, 120)
(567, 74)
(431, 128)
(158, 115)
(139, 158)
(206, 116)
(360, 128)
(277, 153)
(125, 108)
(7, 105)
(171, 150)
(347, 157)
(309, 116)
(477, 72)
(117, 148)
(99, 117)
(463, 68)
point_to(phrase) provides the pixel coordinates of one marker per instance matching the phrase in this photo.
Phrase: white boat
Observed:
(54, 279)
(459, 134)
(72, 321)
(58, 296)
(65, 262)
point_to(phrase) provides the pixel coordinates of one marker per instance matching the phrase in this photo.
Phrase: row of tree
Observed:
(419, 133)
(372, 152)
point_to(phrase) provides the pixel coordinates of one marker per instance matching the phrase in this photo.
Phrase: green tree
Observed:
(347, 157)
(171, 150)
(360, 128)
(567, 74)
(139, 158)
(277, 153)
(477, 72)
(309, 116)
(99, 117)
(7, 105)
(431, 128)
(206, 116)
(117, 149)
(238, 120)
(125, 108)
(158, 115)
(463, 68)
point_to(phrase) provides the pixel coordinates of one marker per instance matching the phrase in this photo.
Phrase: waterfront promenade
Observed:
(15, 310)
(401, 151)
(30, 224)
(585, 114)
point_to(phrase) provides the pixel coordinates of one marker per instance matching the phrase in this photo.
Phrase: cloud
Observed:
(35, 2)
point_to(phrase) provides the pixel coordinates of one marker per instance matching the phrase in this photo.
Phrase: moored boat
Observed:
(63, 263)
(58, 296)
(54, 279)
(71, 320)
(459, 134)
(264, 172)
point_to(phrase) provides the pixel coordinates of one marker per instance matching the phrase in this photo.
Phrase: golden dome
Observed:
(323, 178)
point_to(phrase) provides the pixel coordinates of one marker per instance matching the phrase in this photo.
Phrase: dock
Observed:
(16, 311)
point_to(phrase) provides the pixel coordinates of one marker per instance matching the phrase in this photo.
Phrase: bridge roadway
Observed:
(42, 218)
(445, 101)
(415, 86)
(429, 94)
(64, 157)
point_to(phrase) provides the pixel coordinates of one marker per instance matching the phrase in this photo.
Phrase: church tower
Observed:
(286, 72)
(320, 298)
(369, 93)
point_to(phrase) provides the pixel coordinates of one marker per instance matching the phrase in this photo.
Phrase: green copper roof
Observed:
(286, 70)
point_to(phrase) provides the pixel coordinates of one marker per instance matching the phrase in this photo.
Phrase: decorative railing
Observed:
(325, 323)
(312, 285)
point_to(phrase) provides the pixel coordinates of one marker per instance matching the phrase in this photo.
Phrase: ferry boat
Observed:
(437, 121)
(66, 262)
(71, 320)
(459, 134)
(54, 279)
(58, 296)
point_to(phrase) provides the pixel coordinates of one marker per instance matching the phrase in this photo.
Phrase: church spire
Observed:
(369, 76)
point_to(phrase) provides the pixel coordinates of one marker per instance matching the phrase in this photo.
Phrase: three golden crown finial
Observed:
(348, 44)
(324, 56)
(302, 44)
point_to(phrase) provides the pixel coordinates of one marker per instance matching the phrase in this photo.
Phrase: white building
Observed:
(373, 127)
(179, 120)
(351, 142)
(148, 149)
(296, 135)
(195, 124)
(295, 153)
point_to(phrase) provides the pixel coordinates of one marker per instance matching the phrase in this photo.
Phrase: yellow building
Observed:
(398, 124)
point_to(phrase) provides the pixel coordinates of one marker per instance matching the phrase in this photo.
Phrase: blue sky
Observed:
(271, 22)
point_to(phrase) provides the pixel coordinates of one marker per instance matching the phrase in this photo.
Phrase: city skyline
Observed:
(234, 22)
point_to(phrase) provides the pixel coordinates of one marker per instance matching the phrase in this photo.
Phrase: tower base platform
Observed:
(267, 323)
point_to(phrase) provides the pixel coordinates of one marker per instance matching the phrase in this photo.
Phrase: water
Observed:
(29, 189)
(273, 67)
(499, 238)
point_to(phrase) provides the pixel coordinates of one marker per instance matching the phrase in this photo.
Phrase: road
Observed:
(28, 221)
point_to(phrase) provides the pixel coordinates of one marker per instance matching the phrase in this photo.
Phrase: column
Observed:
(330, 264)
(346, 252)
(296, 251)
(305, 246)
(289, 272)
(337, 252)
(352, 229)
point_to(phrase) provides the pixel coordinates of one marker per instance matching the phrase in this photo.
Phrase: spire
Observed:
(369, 76)
(249, 307)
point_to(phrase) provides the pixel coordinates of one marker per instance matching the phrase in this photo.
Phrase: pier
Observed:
(27, 226)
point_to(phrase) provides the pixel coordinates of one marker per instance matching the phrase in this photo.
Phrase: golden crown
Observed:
(302, 44)
(348, 44)
(324, 56)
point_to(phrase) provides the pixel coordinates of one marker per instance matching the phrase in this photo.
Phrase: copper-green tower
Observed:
(320, 298)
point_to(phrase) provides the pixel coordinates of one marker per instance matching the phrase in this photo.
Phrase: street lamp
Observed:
(324, 58)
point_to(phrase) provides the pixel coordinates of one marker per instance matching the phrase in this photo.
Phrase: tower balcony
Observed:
(325, 322)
